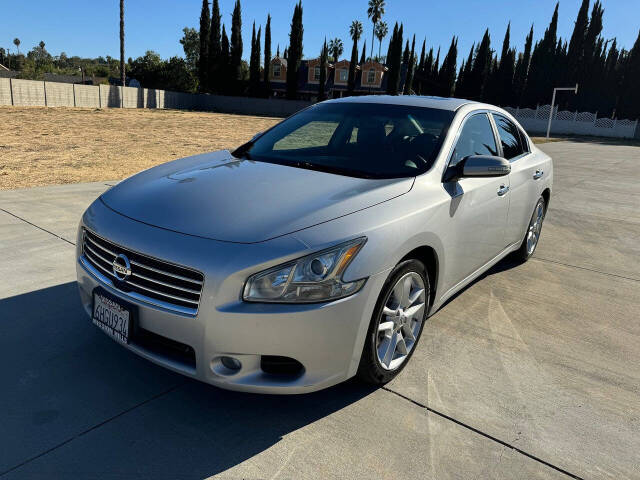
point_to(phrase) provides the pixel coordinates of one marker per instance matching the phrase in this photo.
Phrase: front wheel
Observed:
(397, 322)
(530, 242)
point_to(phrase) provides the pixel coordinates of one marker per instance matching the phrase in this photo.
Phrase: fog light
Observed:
(231, 363)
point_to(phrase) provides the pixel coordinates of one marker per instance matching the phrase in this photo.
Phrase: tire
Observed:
(372, 368)
(526, 250)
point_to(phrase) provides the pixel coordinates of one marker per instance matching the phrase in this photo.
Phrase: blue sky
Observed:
(90, 28)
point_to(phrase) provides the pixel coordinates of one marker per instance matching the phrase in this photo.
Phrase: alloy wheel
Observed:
(535, 226)
(400, 321)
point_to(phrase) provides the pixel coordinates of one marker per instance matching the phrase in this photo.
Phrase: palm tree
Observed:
(122, 73)
(380, 32)
(355, 30)
(336, 48)
(16, 42)
(375, 13)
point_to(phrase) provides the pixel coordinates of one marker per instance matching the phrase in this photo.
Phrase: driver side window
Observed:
(476, 138)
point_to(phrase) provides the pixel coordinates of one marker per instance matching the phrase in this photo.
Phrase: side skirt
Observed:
(470, 278)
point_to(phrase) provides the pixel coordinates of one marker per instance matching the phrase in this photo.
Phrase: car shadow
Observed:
(75, 402)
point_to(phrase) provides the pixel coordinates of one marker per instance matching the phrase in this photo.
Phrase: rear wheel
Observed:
(530, 242)
(397, 323)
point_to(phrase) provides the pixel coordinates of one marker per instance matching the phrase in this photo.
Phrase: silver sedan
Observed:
(316, 251)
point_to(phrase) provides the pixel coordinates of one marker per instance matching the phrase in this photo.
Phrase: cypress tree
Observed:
(215, 48)
(539, 81)
(629, 103)
(504, 90)
(225, 59)
(420, 69)
(427, 74)
(405, 54)
(447, 74)
(481, 68)
(356, 31)
(323, 71)
(408, 84)
(205, 21)
(394, 36)
(393, 82)
(294, 53)
(590, 76)
(459, 81)
(236, 45)
(576, 43)
(254, 62)
(267, 56)
(462, 85)
(522, 70)
(363, 57)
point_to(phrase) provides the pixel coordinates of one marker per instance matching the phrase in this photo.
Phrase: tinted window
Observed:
(509, 137)
(476, 138)
(364, 140)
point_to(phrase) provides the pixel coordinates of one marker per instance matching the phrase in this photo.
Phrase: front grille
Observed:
(165, 347)
(157, 282)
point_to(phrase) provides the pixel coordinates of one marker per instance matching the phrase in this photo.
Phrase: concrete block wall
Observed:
(28, 93)
(110, 96)
(5, 91)
(59, 94)
(87, 96)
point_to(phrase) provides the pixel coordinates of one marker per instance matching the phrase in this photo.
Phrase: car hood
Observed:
(217, 196)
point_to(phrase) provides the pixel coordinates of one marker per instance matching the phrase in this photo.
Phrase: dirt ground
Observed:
(46, 146)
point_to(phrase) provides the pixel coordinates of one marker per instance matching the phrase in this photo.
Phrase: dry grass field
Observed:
(45, 146)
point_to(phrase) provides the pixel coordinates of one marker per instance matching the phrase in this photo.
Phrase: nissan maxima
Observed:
(316, 251)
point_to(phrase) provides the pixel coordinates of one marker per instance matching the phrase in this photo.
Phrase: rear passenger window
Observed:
(476, 138)
(509, 137)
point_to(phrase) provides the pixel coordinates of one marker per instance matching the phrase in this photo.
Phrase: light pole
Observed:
(553, 102)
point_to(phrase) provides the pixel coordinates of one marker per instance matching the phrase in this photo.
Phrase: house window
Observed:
(316, 74)
(371, 76)
(344, 74)
(276, 70)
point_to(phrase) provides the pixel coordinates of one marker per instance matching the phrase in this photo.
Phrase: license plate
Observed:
(112, 317)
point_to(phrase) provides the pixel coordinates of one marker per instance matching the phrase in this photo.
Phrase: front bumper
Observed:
(326, 339)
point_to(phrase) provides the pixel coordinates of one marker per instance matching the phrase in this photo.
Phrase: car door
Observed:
(526, 168)
(479, 205)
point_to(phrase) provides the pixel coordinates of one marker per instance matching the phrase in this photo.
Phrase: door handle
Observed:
(538, 174)
(503, 190)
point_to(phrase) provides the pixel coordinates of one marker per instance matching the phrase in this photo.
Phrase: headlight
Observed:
(314, 278)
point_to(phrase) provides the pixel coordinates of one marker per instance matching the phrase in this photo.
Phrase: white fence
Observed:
(54, 94)
(573, 123)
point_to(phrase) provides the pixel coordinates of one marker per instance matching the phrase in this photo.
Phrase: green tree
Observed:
(447, 74)
(363, 57)
(540, 81)
(294, 52)
(224, 67)
(236, 46)
(481, 68)
(336, 48)
(123, 76)
(419, 75)
(355, 30)
(522, 70)
(205, 23)
(408, 84)
(254, 65)
(462, 83)
(267, 56)
(395, 62)
(190, 42)
(380, 32)
(215, 48)
(375, 13)
(576, 43)
(323, 71)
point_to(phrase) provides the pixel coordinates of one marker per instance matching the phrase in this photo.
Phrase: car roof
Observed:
(442, 103)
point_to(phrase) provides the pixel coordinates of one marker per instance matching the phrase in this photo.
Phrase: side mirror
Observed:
(478, 166)
(484, 166)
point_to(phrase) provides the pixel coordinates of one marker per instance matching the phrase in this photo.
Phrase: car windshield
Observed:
(357, 139)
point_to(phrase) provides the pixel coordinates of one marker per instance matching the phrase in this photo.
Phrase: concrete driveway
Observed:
(531, 372)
